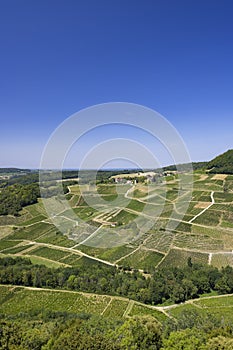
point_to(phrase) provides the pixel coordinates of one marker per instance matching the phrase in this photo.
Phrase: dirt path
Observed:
(89, 237)
(70, 250)
(131, 189)
(210, 258)
(210, 205)
(128, 308)
(131, 303)
(104, 310)
(192, 301)
(127, 255)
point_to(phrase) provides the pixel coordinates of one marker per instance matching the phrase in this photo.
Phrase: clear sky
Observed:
(60, 56)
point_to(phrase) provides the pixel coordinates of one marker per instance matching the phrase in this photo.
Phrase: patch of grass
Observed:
(113, 254)
(140, 310)
(179, 258)
(75, 189)
(116, 308)
(159, 240)
(143, 259)
(209, 231)
(85, 213)
(34, 220)
(71, 259)
(4, 244)
(202, 242)
(49, 253)
(220, 307)
(180, 309)
(221, 197)
(107, 189)
(227, 219)
(184, 227)
(221, 260)
(136, 205)
(109, 197)
(209, 218)
(36, 209)
(5, 231)
(24, 300)
(56, 238)
(16, 250)
(14, 220)
(124, 217)
(137, 193)
(32, 232)
(74, 200)
(36, 260)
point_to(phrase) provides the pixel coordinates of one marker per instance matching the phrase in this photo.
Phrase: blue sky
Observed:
(58, 57)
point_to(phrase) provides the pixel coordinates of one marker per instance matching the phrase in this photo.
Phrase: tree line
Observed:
(13, 198)
(172, 284)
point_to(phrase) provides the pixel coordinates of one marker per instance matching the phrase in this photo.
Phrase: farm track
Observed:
(204, 210)
(110, 215)
(88, 238)
(130, 302)
(65, 249)
(128, 308)
(194, 301)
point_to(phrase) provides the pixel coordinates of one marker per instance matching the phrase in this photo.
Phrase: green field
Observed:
(15, 301)
(220, 308)
(120, 212)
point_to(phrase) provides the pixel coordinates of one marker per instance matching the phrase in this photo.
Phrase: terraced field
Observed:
(138, 225)
(14, 299)
(220, 307)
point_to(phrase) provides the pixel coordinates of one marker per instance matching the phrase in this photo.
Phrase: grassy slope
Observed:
(15, 300)
(207, 239)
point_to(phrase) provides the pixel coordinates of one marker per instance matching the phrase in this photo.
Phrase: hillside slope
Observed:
(222, 164)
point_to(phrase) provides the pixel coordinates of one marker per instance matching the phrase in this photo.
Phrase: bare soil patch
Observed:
(203, 177)
(202, 205)
(219, 177)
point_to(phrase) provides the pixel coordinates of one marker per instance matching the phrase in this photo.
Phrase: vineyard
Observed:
(110, 230)
(34, 300)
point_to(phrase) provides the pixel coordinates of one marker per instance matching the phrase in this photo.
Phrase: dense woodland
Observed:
(222, 164)
(85, 332)
(46, 330)
(13, 198)
(174, 284)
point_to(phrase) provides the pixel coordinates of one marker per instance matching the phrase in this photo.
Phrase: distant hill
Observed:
(13, 170)
(222, 164)
(186, 166)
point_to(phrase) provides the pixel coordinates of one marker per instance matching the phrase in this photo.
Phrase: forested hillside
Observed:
(222, 164)
(13, 198)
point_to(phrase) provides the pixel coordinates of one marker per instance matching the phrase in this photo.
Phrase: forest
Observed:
(222, 164)
(40, 329)
(175, 285)
(13, 198)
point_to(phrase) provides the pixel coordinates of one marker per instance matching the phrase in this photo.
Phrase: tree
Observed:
(222, 286)
(186, 339)
(139, 333)
(219, 343)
